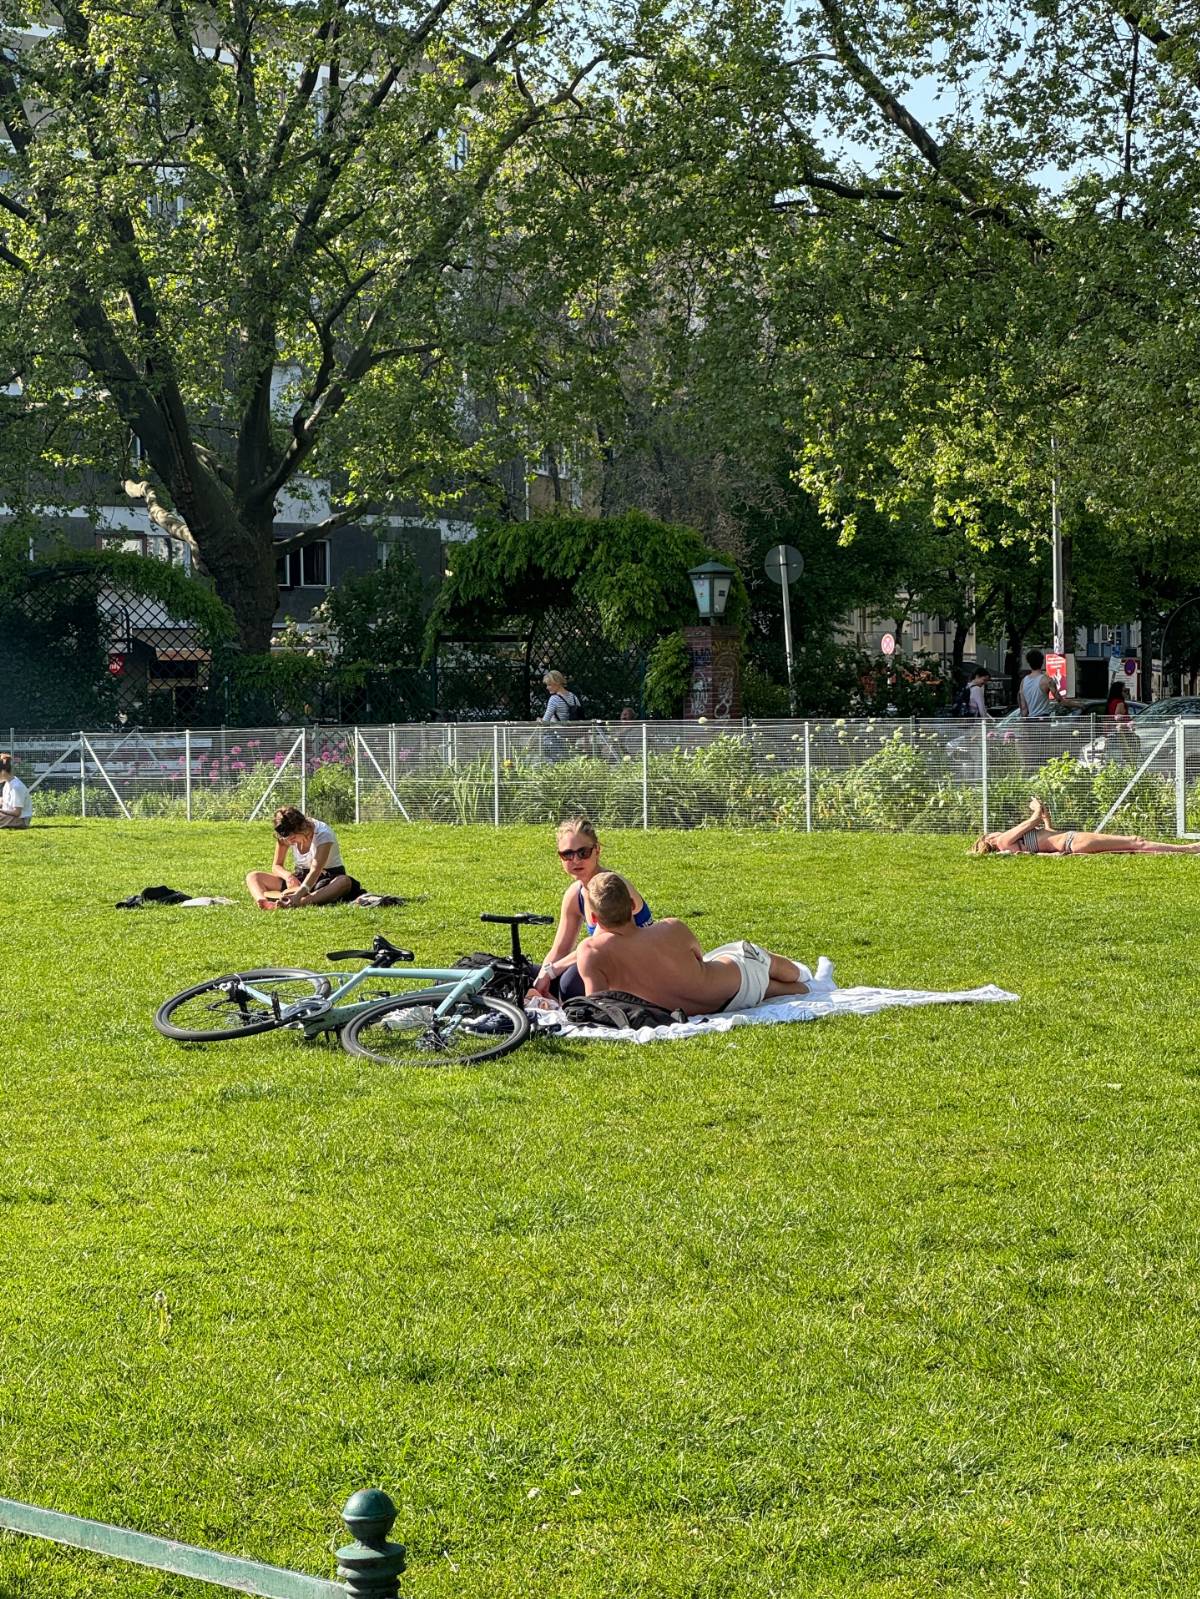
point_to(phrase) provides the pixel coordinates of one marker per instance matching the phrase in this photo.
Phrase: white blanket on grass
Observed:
(805, 1008)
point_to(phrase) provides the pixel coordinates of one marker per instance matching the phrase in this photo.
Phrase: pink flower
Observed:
(279, 757)
(236, 750)
(237, 766)
(214, 776)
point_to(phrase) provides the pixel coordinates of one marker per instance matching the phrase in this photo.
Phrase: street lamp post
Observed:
(710, 583)
(715, 688)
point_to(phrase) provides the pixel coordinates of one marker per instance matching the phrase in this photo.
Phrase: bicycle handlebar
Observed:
(521, 919)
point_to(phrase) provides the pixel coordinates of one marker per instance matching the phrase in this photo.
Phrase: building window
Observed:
(306, 568)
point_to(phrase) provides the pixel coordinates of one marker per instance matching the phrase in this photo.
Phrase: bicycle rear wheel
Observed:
(224, 1007)
(407, 1031)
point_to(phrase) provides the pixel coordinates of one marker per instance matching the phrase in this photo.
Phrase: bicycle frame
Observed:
(315, 1016)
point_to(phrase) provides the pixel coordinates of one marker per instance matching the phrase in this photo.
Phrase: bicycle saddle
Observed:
(382, 953)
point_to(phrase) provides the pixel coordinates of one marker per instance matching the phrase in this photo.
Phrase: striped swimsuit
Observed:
(1028, 844)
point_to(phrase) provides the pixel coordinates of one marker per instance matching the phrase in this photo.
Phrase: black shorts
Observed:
(328, 875)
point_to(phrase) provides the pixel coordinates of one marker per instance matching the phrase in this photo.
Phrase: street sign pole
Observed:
(784, 564)
(787, 644)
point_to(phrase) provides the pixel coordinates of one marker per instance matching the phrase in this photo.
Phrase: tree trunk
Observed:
(241, 560)
(1148, 625)
(959, 648)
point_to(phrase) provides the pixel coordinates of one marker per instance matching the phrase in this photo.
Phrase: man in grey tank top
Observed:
(1038, 689)
(1037, 693)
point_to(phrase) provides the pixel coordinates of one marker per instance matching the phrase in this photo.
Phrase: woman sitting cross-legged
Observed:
(318, 876)
(1040, 837)
(579, 852)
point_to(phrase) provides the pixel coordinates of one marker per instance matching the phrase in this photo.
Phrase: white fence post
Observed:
(645, 780)
(357, 781)
(304, 770)
(807, 782)
(187, 772)
(496, 774)
(112, 787)
(1180, 780)
(82, 778)
(983, 769)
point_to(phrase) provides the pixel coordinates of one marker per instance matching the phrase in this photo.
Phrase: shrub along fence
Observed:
(877, 775)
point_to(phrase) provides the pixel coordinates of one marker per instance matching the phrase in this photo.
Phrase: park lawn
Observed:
(903, 1305)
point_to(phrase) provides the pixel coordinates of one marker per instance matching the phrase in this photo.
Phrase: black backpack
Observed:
(508, 981)
(574, 706)
(612, 1007)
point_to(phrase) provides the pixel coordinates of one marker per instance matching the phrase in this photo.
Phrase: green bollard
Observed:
(370, 1567)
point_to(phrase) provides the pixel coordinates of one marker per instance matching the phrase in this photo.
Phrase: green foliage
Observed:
(377, 618)
(632, 569)
(668, 676)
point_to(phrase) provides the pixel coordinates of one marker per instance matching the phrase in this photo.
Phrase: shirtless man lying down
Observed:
(664, 964)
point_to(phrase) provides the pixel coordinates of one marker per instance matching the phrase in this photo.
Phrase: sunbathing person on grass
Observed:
(664, 964)
(1040, 837)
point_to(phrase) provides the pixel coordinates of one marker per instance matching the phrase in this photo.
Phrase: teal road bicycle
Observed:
(467, 1014)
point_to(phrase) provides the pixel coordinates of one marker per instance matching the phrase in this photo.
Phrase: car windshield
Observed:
(1167, 710)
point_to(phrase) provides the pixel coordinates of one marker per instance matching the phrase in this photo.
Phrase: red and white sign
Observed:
(1131, 668)
(1056, 670)
(116, 665)
(888, 644)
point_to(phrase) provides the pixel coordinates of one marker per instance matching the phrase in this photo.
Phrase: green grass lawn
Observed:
(903, 1305)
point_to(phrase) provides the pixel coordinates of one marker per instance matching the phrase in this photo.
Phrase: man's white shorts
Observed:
(754, 965)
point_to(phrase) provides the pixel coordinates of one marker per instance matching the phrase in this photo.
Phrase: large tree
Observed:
(291, 245)
(988, 264)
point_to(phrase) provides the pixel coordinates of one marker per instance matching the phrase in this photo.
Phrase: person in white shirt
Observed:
(978, 693)
(16, 807)
(318, 875)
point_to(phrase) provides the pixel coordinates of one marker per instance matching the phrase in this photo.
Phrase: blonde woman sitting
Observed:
(579, 853)
(1039, 836)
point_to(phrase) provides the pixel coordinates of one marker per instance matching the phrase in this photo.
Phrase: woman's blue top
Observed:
(643, 918)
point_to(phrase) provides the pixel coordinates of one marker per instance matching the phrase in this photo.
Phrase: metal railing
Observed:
(818, 775)
(369, 1566)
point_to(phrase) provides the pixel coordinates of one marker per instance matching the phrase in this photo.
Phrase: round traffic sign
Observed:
(888, 644)
(784, 563)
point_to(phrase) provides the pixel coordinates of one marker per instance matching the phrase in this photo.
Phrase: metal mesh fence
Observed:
(873, 775)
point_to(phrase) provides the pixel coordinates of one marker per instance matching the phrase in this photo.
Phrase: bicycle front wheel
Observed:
(236, 1006)
(407, 1031)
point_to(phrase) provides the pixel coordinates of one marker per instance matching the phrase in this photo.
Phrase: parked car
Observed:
(1079, 721)
(1151, 722)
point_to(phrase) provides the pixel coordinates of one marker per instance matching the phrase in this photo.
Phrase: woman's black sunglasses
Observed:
(576, 854)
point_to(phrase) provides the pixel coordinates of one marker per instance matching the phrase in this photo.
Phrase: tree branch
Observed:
(305, 428)
(900, 117)
(1176, 52)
